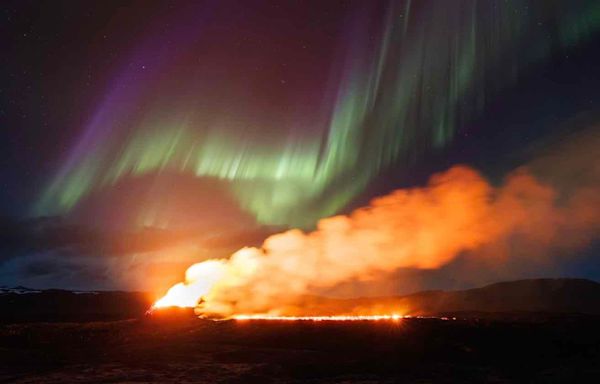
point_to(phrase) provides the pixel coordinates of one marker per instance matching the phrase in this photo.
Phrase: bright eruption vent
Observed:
(199, 279)
(457, 212)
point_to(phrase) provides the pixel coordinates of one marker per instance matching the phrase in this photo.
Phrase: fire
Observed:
(320, 318)
(199, 279)
(457, 212)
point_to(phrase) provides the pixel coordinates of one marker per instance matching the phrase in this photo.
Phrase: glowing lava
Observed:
(319, 318)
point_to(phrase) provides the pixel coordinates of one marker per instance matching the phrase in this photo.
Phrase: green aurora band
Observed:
(433, 67)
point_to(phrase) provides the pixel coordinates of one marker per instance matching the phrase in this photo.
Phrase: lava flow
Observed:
(319, 318)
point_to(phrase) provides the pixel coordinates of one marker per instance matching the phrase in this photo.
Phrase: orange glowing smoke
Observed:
(457, 212)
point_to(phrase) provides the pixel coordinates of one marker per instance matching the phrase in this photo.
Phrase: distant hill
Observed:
(21, 304)
(574, 296)
(535, 296)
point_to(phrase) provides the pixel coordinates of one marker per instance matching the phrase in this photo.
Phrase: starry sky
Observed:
(138, 136)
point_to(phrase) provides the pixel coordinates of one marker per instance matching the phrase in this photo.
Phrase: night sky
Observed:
(139, 137)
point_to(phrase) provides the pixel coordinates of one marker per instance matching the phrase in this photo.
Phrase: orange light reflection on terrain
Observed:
(318, 318)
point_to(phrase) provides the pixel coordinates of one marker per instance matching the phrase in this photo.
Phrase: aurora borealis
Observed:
(404, 78)
(142, 136)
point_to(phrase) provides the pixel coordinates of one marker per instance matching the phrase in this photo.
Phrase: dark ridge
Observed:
(55, 305)
(551, 296)
(513, 299)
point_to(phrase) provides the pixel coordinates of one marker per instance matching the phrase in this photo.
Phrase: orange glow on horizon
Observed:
(320, 318)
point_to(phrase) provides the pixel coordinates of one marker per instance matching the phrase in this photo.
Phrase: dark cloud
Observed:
(54, 252)
(56, 269)
(38, 235)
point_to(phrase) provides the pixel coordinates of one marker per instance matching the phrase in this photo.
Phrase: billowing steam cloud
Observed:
(457, 212)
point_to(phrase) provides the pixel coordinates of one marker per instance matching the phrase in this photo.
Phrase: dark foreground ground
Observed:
(182, 349)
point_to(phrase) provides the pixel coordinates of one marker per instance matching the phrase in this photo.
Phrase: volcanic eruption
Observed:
(457, 212)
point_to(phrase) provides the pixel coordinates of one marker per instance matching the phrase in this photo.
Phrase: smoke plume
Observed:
(457, 212)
